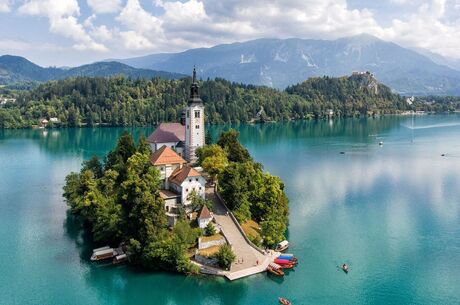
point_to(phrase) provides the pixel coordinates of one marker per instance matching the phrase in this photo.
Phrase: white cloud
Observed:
(62, 16)
(427, 28)
(104, 6)
(176, 25)
(133, 41)
(5, 6)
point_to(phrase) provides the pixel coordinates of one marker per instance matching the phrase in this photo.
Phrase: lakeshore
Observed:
(394, 206)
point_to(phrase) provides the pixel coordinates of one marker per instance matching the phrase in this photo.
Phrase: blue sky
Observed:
(73, 32)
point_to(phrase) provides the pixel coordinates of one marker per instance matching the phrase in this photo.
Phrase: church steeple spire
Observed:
(194, 75)
(194, 122)
(194, 95)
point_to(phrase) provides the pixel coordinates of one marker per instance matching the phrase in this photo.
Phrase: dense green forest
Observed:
(119, 101)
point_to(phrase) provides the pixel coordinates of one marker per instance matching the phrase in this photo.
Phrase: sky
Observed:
(75, 32)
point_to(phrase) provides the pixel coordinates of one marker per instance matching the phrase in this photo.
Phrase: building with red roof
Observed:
(171, 135)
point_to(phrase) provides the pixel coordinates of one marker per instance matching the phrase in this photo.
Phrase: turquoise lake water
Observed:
(391, 212)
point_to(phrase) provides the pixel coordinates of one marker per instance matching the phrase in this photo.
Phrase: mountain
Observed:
(283, 62)
(16, 69)
(439, 59)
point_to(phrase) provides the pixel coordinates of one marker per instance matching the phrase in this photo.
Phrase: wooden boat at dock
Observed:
(103, 254)
(282, 246)
(275, 269)
(100, 249)
(289, 266)
(284, 262)
(119, 259)
(288, 257)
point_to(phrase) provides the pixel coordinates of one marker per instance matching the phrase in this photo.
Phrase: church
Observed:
(174, 148)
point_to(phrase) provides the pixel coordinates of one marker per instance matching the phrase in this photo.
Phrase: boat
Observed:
(345, 268)
(282, 262)
(103, 254)
(284, 301)
(119, 259)
(275, 269)
(100, 249)
(288, 266)
(380, 143)
(288, 257)
(282, 246)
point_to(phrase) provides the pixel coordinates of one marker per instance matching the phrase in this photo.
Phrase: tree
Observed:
(143, 146)
(94, 165)
(213, 159)
(185, 233)
(225, 256)
(235, 151)
(272, 230)
(210, 229)
(141, 200)
(125, 148)
(197, 202)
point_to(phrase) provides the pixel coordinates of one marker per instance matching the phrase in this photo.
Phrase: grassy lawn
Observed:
(251, 228)
(211, 238)
(209, 251)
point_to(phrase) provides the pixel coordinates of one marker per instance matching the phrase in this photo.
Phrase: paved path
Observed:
(248, 260)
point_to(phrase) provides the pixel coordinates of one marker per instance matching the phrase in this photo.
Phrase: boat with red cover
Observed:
(282, 261)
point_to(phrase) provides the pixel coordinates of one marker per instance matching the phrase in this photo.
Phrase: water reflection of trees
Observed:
(82, 141)
(358, 128)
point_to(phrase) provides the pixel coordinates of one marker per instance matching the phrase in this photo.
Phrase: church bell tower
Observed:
(194, 122)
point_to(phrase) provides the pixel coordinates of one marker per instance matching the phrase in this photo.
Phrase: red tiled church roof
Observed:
(166, 155)
(180, 174)
(168, 132)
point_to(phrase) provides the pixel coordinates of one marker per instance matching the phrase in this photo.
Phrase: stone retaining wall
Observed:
(208, 244)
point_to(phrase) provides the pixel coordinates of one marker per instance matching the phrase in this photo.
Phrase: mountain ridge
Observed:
(16, 69)
(280, 63)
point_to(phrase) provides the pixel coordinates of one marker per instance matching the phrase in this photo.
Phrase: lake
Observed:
(392, 212)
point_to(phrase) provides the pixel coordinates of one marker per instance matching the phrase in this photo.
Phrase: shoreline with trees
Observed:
(119, 101)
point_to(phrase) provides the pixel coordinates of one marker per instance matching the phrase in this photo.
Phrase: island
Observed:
(173, 202)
